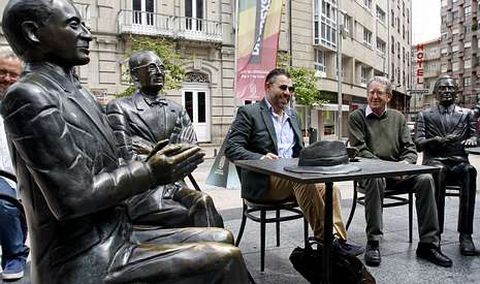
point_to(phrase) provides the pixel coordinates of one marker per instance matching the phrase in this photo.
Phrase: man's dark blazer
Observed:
(69, 176)
(251, 136)
(132, 116)
(431, 123)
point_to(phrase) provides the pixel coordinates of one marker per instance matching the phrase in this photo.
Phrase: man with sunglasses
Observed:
(139, 122)
(442, 132)
(382, 133)
(270, 129)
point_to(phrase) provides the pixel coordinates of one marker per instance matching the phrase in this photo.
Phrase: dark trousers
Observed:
(464, 175)
(422, 185)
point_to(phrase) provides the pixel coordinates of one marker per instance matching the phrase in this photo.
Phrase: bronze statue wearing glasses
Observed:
(442, 133)
(71, 181)
(139, 122)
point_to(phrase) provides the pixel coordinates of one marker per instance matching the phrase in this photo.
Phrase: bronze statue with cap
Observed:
(69, 174)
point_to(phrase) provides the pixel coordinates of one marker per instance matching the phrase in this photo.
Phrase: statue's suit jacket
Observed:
(69, 176)
(251, 136)
(132, 116)
(431, 123)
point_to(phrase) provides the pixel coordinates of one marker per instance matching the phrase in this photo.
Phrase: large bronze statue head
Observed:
(445, 90)
(147, 71)
(47, 31)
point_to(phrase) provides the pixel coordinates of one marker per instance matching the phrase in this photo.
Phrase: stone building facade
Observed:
(204, 35)
(459, 47)
(426, 62)
(375, 41)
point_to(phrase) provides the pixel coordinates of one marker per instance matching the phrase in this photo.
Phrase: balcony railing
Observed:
(146, 23)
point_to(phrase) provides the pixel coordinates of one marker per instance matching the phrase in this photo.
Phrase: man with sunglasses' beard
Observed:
(270, 129)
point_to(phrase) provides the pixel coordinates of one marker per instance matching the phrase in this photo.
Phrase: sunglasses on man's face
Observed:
(291, 89)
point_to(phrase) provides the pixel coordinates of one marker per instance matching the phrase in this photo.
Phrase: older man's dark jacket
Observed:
(251, 136)
(69, 176)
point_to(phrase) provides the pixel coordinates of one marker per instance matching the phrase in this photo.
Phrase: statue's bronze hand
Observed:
(141, 146)
(175, 162)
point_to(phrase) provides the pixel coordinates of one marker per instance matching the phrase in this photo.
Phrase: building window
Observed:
(392, 18)
(455, 48)
(444, 50)
(319, 60)
(392, 72)
(403, 54)
(455, 66)
(467, 44)
(347, 22)
(143, 12)
(444, 3)
(326, 22)
(194, 13)
(398, 49)
(444, 68)
(367, 3)
(364, 76)
(367, 37)
(467, 81)
(392, 41)
(467, 64)
(467, 11)
(381, 45)
(403, 31)
(408, 15)
(380, 14)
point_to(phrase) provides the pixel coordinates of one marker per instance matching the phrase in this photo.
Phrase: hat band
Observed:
(326, 161)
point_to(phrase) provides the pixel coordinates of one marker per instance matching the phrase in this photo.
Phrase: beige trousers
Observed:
(310, 198)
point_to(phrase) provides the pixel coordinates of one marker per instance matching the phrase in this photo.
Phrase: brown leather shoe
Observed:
(467, 247)
(432, 253)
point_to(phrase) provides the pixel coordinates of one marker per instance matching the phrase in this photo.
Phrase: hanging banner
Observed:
(257, 44)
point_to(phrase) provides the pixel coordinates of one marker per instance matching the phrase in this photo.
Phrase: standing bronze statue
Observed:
(70, 179)
(442, 133)
(139, 122)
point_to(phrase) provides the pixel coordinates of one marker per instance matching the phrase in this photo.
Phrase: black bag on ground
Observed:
(345, 269)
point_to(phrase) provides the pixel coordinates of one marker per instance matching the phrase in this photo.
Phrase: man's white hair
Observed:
(7, 52)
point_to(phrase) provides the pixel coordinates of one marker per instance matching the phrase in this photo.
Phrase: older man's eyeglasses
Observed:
(291, 89)
(7, 74)
(151, 67)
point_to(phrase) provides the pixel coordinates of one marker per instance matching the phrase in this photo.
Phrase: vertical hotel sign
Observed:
(420, 66)
(257, 44)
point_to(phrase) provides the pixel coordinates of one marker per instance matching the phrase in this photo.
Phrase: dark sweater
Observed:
(386, 137)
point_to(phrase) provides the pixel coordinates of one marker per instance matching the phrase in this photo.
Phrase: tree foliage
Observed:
(306, 91)
(166, 50)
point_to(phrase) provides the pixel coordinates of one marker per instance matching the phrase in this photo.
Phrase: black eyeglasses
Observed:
(151, 67)
(291, 89)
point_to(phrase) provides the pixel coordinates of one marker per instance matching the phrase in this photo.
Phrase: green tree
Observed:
(307, 92)
(166, 50)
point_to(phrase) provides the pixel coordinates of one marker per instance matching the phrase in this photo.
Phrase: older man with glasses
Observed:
(382, 133)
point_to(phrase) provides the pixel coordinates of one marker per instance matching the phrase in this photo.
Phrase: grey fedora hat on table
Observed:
(324, 157)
